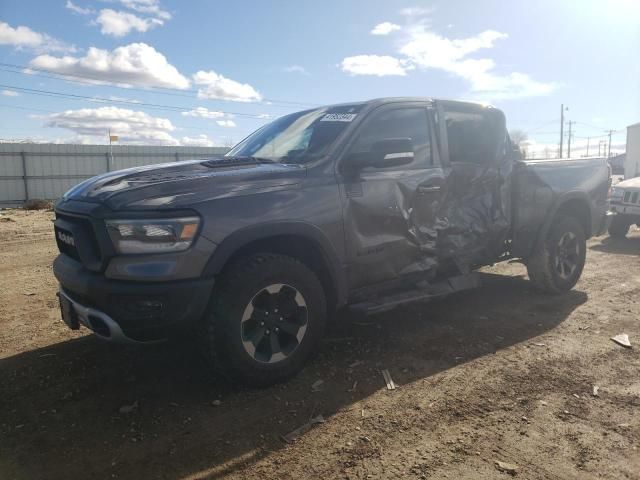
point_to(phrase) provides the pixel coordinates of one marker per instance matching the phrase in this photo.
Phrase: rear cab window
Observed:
(472, 134)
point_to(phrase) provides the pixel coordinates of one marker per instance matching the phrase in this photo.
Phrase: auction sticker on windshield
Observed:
(338, 117)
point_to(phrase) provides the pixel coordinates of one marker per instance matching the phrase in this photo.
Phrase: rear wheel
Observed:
(265, 319)
(557, 263)
(619, 227)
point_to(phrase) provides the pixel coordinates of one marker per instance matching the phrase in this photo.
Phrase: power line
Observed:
(72, 96)
(602, 129)
(543, 125)
(598, 136)
(183, 127)
(89, 80)
(26, 108)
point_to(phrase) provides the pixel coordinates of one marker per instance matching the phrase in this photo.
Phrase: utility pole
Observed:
(609, 153)
(569, 140)
(588, 141)
(561, 127)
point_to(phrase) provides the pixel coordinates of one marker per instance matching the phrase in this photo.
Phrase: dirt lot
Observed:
(500, 373)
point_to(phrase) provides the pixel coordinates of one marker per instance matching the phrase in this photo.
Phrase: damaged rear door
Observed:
(474, 219)
(391, 185)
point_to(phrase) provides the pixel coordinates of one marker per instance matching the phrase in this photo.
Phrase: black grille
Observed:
(81, 243)
(66, 243)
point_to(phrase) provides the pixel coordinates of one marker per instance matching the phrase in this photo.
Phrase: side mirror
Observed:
(386, 153)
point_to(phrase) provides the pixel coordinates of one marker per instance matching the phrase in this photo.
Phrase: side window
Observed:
(471, 135)
(397, 123)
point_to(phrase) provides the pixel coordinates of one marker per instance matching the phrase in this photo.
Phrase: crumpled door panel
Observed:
(474, 218)
(395, 230)
(388, 225)
(428, 221)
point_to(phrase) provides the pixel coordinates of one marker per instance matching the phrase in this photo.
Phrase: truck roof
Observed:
(384, 100)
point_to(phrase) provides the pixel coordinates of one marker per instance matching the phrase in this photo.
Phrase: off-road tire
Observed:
(220, 332)
(541, 266)
(619, 227)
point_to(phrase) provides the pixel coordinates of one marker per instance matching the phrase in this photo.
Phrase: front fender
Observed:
(247, 235)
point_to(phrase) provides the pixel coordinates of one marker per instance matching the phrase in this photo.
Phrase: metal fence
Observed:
(46, 171)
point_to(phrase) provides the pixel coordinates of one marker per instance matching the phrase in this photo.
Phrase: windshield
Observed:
(299, 137)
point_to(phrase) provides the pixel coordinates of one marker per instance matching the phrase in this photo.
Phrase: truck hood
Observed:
(185, 183)
(631, 183)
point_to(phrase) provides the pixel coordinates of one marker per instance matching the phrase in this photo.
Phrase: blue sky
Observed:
(210, 72)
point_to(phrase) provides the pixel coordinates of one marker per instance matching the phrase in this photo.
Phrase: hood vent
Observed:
(229, 162)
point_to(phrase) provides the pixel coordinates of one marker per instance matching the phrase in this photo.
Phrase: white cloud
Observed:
(215, 86)
(143, 16)
(119, 24)
(132, 127)
(115, 98)
(296, 69)
(380, 65)
(490, 86)
(425, 49)
(147, 6)
(10, 93)
(428, 49)
(198, 141)
(22, 37)
(416, 11)
(384, 28)
(265, 116)
(134, 64)
(77, 9)
(203, 112)
(226, 123)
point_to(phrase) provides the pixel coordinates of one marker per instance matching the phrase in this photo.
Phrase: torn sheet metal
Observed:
(425, 221)
(473, 223)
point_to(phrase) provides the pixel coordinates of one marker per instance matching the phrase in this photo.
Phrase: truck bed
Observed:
(544, 186)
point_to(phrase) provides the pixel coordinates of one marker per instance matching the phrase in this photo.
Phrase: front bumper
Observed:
(125, 311)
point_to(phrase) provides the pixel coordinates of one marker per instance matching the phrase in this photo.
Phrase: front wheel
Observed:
(265, 319)
(619, 227)
(557, 262)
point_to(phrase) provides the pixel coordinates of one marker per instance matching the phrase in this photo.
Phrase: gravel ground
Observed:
(501, 373)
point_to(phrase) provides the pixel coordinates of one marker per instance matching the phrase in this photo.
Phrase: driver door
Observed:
(389, 211)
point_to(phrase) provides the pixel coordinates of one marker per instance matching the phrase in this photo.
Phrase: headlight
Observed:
(616, 193)
(153, 235)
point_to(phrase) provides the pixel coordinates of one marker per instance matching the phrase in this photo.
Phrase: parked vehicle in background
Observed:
(364, 205)
(625, 195)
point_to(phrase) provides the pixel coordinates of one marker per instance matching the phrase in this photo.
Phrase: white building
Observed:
(632, 162)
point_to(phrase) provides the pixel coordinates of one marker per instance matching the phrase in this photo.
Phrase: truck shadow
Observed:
(60, 410)
(625, 246)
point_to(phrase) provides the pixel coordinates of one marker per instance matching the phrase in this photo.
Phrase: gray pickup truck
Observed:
(365, 205)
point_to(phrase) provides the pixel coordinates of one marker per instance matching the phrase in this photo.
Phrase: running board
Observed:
(428, 292)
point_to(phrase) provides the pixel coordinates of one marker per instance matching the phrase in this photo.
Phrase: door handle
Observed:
(428, 189)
